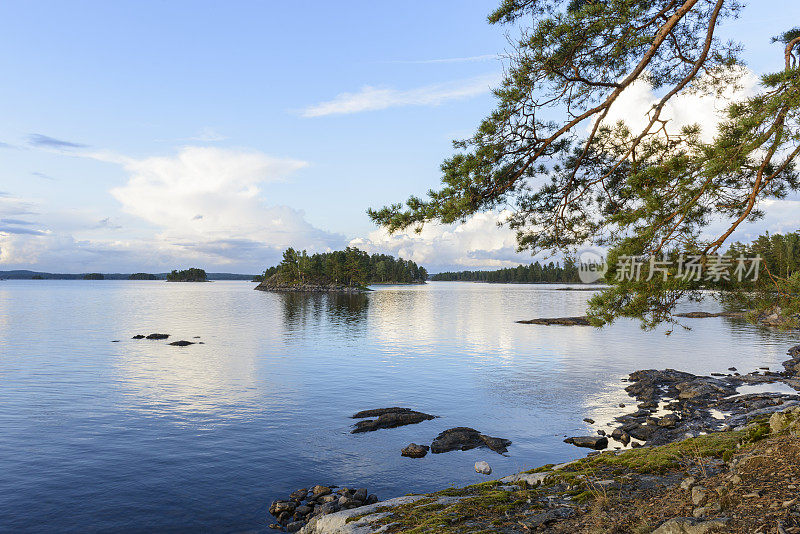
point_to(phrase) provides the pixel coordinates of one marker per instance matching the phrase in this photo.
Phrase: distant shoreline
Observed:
(23, 274)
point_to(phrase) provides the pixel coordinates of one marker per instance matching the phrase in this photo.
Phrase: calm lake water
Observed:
(142, 436)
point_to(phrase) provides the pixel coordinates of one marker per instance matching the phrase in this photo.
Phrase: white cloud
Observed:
(469, 59)
(371, 98)
(477, 243)
(633, 105)
(207, 201)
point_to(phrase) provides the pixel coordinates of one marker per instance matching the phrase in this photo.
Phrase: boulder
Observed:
(181, 343)
(669, 420)
(621, 436)
(415, 451)
(298, 495)
(788, 419)
(138, 336)
(590, 442)
(699, 494)
(318, 491)
(464, 438)
(483, 468)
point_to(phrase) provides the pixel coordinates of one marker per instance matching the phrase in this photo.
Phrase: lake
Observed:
(142, 436)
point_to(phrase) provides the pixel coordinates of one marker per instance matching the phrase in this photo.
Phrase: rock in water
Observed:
(138, 336)
(562, 321)
(181, 343)
(464, 438)
(415, 451)
(483, 468)
(388, 418)
(591, 442)
(158, 336)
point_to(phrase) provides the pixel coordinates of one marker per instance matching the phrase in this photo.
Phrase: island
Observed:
(189, 275)
(347, 271)
(93, 276)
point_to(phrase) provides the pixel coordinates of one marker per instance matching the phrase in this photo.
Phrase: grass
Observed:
(484, 508)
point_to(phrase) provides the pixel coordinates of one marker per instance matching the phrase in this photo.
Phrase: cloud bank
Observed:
(475, 244)
(371, 98)
(206, 208)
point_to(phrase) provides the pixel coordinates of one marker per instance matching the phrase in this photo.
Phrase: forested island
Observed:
(342, 270)
(188, 275)
(536, 273)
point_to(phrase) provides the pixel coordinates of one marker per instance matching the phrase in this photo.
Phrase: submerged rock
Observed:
(388, 418)
(181, 343)
(138, 336)
(415, 451)
(158, 336)
(562, 321)
(590, 442)
(464, 438)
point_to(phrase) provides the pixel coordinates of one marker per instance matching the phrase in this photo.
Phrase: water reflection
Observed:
(302, 309)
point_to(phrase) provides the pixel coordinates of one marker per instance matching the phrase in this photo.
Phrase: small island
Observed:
(188, 275)
(93, 276)
(346, 271)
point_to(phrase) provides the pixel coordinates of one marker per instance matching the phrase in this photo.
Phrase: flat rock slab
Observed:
(562, 321)
(388, 418)
(464, 438)
(181, 343)
(340, 522)
(705, 315)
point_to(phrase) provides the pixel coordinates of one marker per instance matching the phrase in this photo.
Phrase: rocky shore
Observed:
(274, 283)
(693, 456)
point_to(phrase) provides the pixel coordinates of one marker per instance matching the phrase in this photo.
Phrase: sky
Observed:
(152, 135)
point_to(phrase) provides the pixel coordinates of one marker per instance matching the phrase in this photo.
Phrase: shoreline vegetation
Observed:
(672, 465)
(343, 271)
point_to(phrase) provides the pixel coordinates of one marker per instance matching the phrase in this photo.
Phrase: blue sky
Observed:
(154, 135)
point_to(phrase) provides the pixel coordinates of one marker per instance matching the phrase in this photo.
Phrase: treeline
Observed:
(535, 273)
(351, 267)
(780, 253)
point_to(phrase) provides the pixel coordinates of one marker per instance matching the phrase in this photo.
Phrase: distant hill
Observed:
(23, 274)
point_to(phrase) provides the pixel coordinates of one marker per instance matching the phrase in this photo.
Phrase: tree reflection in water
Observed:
(300, 309)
